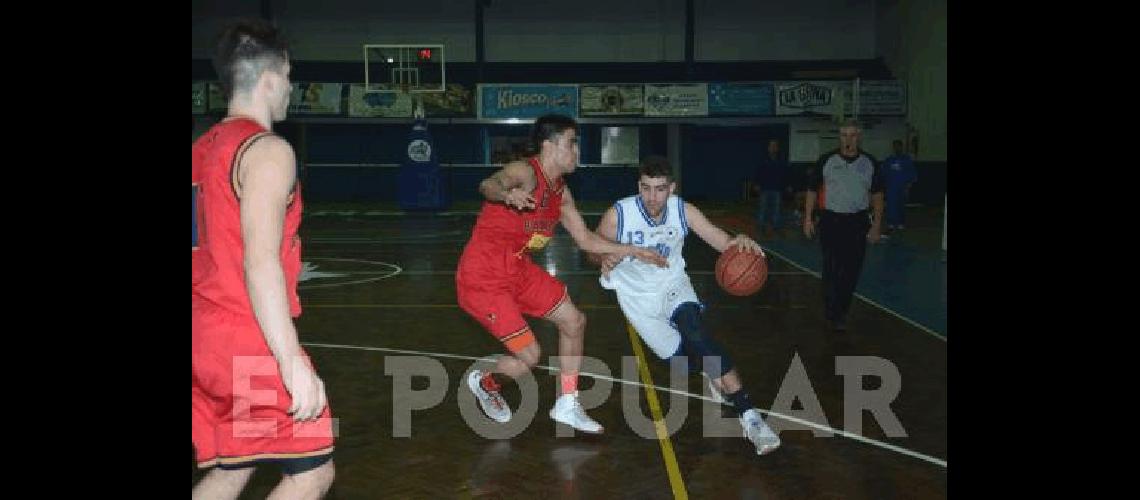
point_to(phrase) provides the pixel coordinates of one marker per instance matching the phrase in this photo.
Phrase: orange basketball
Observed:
(741, 273)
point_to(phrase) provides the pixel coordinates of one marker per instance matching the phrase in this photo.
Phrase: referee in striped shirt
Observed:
(843, 185)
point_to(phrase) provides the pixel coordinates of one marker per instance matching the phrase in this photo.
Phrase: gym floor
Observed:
(379, 290)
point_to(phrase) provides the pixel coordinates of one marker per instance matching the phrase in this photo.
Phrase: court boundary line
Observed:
(808, 423)
(864, 298)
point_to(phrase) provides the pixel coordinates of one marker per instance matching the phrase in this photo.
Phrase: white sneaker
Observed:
(568, 411)
(757, 431)
(491, 402)
(717, 396)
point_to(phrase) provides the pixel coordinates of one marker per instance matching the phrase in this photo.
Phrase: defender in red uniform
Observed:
(497, 282)
(256, 397)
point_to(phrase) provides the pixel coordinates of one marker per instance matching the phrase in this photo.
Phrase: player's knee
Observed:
(687, 318)
(530, 356)
(704, 353)
(574, 325)
(578, 324)
(532, 360)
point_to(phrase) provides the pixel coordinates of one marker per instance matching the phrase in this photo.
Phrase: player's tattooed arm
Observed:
(511, 185)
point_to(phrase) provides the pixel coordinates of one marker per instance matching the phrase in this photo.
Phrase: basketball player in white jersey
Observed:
(659, 301)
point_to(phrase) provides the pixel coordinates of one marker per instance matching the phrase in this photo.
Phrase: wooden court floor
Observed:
(379, 304)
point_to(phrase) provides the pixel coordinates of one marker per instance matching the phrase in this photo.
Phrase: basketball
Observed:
(741, 273)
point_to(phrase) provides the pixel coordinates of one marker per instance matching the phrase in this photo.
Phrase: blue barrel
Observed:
(422, 184)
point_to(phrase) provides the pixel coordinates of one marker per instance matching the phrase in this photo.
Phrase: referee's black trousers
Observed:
(844, 241)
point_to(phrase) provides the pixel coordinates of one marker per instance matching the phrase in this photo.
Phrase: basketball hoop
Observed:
(405, 68)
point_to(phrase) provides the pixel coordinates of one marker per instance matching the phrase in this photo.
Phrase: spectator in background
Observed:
(901, 175)
(770, 181)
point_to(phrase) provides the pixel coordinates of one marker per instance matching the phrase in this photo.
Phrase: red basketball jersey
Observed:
(500, 225)
(216, 265)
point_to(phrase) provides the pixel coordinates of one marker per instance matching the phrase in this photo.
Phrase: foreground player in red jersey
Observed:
(256, 396)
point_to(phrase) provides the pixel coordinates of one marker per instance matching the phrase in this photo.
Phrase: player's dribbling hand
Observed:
(650, 256)
(519, 199)
(306, 389)
(747, 244)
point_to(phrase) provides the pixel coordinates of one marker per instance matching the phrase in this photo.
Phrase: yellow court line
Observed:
(675, 481)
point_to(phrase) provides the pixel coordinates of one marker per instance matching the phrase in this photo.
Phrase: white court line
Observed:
(490, 359)
(378, 276)
(865, 299)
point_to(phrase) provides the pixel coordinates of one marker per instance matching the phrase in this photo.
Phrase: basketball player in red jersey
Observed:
(256, 396)
(497, 282)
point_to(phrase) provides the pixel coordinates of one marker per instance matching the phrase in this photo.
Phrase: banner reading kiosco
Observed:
(527, 101)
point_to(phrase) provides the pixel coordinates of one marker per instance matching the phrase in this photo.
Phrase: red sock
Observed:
(569, 382)
(488, 383)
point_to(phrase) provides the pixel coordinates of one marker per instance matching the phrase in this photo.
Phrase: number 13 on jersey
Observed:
(638, 238)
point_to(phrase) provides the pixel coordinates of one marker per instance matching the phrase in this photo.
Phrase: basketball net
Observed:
(418, 107)
(416, 100)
